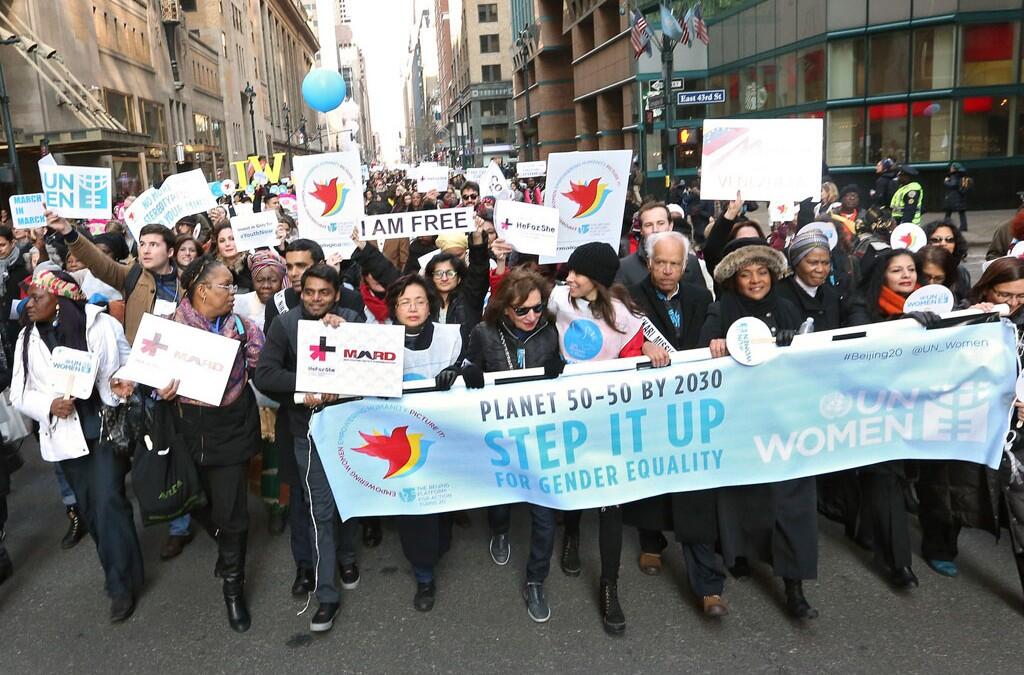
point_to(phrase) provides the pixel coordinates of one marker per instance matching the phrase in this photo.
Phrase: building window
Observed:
(786, 81)
(224, 43)
(733, 104)
(983, 127)
(492, 134)
(487, 13)
(845, 137)
(986, 55)
(934, 57)
(811, 69)
(491, 73)
(931, 131)
(494, 107)
(846, 69)
(889, 69)
(887, 132)
(202, 123)
(121, 108)
(153, 121)
(488, 44)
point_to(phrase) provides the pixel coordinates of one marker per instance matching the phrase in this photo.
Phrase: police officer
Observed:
(907, 202)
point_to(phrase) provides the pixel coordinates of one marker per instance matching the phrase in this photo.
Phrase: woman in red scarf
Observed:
(882, 525)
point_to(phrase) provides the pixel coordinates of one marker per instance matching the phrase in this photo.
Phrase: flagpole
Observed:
(667, 149)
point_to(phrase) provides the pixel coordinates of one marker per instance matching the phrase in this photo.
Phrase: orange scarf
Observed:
(890, 302)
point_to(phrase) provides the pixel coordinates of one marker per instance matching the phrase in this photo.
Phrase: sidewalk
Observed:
(981, 225)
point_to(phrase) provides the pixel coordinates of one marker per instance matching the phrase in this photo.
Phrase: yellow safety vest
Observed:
(899, 199)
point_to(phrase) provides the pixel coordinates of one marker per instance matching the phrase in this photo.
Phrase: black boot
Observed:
(6, 566)
(570, 558)
(611, 612)
(232, 551)
(796, 603)
(76, 529)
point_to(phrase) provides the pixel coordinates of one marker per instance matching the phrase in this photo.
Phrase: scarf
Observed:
(376, 305)
(230, 326)
(890, 303)
(5, 264)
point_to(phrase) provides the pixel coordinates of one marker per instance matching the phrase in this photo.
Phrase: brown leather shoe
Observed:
(714, 606)
(175, 544)
(650, 563)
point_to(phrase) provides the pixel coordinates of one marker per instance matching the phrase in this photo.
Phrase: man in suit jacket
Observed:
(677, 310)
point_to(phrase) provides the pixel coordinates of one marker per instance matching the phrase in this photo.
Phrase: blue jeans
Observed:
(67, 495)
(542, 536)
(179, 526)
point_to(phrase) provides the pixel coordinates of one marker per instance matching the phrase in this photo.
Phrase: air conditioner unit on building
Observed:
(170, 11)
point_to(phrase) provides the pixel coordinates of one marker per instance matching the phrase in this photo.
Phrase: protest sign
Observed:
(28, 211)
(493, 183)
(248, 168)
(72, 372)
(77, 191)
(410, 224)
(164, 350)
(182, 194)
(589, 191)
(584, 441)
(353, 359)
(431, 178)
(475, 174)
(330, 200)
(782, 212)
(340, 246)
(908, 236)
(529, 228)
(769, 160)
(750, 341)
(931, 298)
(531, 169)
(255, 230)
(46, 160)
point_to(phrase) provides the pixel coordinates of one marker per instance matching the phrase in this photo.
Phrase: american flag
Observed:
(639, 36)
(700, 28)
(687, 23)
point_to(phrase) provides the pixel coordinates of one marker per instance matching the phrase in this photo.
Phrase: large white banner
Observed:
(354, 359)
(531, 169)
(529, 228)
(589, 190)
(182, 194)
(77, 191)
(328, 189)
(165, 350)
(431, 177)
(410, 224)
(764, 160)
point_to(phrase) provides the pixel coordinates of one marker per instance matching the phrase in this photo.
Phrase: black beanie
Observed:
(596, 261)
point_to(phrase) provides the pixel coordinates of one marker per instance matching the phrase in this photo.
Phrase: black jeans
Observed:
(963, 217)
(938, 540)
(542, 536)
(98, 482)
(609, 538)
(883, 516)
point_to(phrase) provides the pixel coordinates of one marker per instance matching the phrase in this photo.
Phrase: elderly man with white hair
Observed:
(677, 309)
(654, 217)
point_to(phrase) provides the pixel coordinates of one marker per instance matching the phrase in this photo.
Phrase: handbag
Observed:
(12, 423)
(164, 476)
(122, 426)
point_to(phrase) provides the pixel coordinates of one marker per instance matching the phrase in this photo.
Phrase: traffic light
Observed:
(683, 136)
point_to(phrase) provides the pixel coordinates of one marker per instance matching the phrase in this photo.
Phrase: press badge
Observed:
(164, 308)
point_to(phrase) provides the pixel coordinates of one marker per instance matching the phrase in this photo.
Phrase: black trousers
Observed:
(609, 537)
(883, 516)
(227, 508)
(963, 217)
(938, 540)
(98, 482)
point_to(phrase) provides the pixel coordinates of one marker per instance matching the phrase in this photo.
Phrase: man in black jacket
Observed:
(676, 310)
(275, 376)
(654, 217)
(299, 256)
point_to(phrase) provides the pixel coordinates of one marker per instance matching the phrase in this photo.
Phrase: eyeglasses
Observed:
(407, 303)
(942, 240)
(1006, 297)
(523, 311)
(470, 195)
(445, 274)
(230, 288)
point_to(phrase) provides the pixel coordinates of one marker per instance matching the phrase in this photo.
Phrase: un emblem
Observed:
(407, 494)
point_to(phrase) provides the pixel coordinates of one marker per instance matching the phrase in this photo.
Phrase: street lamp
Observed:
(250, 94)
(287, 131)
(521, 43)
(5, 102)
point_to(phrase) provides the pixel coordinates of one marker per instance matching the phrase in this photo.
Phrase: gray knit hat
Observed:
(805, 241)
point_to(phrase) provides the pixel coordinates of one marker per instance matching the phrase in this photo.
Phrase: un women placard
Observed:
(582, 441)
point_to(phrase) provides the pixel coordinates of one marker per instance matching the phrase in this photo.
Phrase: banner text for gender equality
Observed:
(614, 437)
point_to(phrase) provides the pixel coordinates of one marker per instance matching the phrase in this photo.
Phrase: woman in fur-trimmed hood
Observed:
(775, 523)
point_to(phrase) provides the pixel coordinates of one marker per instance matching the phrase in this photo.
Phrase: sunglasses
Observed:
(523, 311)
(469, 195)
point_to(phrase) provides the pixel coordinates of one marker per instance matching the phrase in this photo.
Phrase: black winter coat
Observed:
(885, 188)
(827, 308)
(221, 436)
(953, 197)
(495, 348)
(690, 515)
(633, 269)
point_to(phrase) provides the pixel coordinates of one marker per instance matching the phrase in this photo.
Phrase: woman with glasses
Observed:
(956, 494)
(461, 288)
(938, 267)
(431, 352)
(947, 235)
(223, 438)
(518, 332)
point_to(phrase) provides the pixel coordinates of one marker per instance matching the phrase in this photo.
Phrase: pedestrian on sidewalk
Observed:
(956, 185)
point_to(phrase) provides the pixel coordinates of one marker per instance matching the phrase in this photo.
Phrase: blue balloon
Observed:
(323, 89)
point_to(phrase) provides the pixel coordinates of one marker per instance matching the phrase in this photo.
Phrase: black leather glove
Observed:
(926, 319)
(553, 367)
(445, 379)
(784, 337)
(473, 376)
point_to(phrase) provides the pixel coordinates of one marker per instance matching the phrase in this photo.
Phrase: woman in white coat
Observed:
(69, 428)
